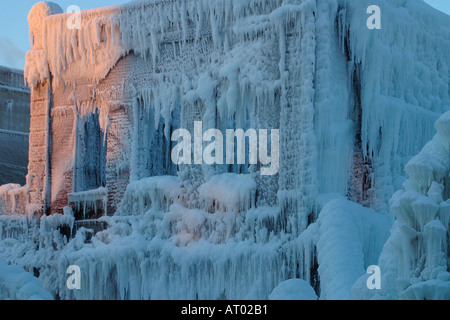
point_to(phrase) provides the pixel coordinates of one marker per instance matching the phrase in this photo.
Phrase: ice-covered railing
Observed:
(200, 271)
(89, 203)
(157, 193)
(202, 250)
(13, 199)
(197, 246)
(20, 236)
(16, 227)
(226, 211)
(228, 193)
(51, 234)
(188, 227)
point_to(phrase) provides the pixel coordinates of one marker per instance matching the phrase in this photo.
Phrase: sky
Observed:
(14, 40)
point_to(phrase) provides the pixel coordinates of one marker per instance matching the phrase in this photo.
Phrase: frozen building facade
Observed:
(14, 126)
(353, 105)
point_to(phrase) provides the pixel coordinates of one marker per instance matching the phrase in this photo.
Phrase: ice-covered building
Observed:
(14, 126)
(109, 87)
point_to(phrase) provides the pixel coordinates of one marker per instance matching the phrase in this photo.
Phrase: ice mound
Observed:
(17, 284)
(294, 289)
(415, 259)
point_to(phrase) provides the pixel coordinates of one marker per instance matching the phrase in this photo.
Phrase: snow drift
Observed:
(17, 284)
(415, 259)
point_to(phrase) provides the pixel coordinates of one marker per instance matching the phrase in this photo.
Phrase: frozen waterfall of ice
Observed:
(415, 259)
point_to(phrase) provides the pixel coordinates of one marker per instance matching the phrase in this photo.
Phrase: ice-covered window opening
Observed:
(91, 148)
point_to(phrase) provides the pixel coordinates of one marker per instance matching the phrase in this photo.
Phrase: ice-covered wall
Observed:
(402, 71)
(353, 106)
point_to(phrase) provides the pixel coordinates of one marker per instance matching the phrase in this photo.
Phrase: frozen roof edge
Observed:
(116, 9)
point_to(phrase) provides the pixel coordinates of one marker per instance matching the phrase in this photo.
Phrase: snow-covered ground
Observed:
(17, 284)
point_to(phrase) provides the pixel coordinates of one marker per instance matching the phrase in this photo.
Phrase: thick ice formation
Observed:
(228, 193)
(348, 239)
(353, 106)
(150, 193)
(415, 259)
